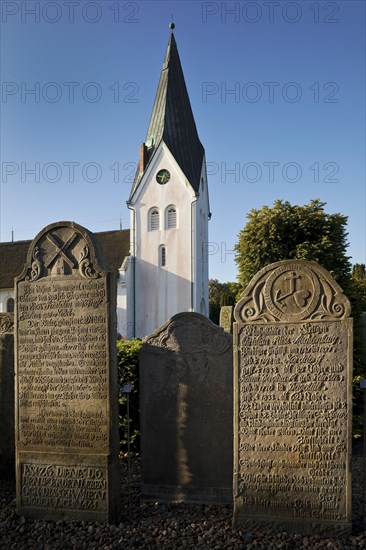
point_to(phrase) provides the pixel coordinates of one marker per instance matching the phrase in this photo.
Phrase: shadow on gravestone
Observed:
(7, 422)
(186, 411)
(293, 402)
(66, 380)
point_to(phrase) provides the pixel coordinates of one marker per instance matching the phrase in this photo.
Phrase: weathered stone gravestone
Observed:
(292, 395)
(227, 318)
(67, 396)
(7, 438)
(186, 411)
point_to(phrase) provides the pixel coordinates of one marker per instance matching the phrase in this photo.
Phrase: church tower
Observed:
(167, 272)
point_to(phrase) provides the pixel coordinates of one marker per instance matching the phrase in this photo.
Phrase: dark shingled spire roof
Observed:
(172, 120)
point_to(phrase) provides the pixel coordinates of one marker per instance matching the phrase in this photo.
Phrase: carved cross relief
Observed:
(300, 296)
(62, 250)
(60, 256)
(292, 290)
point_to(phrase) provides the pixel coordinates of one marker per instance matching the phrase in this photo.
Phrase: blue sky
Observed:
(277, 90)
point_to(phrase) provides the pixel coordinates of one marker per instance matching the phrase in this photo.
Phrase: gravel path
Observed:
(159, 526)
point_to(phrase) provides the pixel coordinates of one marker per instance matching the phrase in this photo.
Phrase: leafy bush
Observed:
(357, 296)
(128, 373)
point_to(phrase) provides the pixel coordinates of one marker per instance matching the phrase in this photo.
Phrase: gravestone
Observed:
(186, 411)
(66, 389)
(293, 400)
(227, 318)
(7, 438)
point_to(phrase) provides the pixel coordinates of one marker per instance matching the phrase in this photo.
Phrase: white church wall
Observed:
(201, 247)
(121, 308)
(5, 295)
(125, 299)
(162, 291)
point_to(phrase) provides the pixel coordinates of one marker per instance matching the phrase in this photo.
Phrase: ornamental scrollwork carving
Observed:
(190, 333)
(292, 290)
(86, 268)
(36, 267)
(6, 323)
(333, 305)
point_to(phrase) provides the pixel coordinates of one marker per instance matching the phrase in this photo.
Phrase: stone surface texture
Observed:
(293, 399)
(227, 318)
(186, 411)
(66, 380)
(7, 438)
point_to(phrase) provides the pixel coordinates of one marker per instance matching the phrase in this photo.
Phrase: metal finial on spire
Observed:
(171, 26)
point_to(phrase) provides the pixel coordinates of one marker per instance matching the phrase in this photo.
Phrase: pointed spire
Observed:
(172, 119)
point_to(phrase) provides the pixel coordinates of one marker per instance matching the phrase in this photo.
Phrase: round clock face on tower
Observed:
(163, 176)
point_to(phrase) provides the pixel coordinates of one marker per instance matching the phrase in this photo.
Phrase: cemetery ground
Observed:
(67, 425)
(150, 525)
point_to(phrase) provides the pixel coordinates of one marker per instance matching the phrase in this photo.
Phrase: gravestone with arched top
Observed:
(293, 402)
(66, 380)
(186, 399)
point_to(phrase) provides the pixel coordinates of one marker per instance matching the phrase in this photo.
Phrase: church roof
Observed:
(114, 244)
(172, 120)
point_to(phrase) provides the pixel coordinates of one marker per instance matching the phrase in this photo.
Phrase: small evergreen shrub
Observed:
(128, 373)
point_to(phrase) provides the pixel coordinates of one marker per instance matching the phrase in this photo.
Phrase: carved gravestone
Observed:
(7, 439)
(292, 395)
(66, 389)
(227, 318)
(186, 411)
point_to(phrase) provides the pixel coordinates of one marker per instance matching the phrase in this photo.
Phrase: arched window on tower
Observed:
(10, 305)
(154, 219)
(171, 217)
(162, 255)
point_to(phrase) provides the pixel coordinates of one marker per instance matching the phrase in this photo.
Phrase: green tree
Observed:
(128, 373)
(286, 232)
(358, 289)
(359, 271)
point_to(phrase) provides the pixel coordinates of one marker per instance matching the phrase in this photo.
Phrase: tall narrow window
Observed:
(154, 219)
(10, 305)
(171, 217)
(162, 256)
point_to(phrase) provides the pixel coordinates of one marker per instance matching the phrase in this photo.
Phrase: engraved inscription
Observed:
(292, 411)
(63, 382)
(63, 487)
